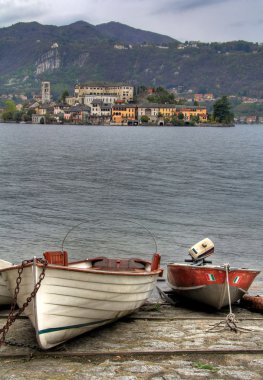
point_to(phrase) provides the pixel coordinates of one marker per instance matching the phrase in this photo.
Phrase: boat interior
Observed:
(98, 263)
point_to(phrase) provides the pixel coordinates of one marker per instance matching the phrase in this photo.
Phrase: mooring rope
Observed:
(230, 320)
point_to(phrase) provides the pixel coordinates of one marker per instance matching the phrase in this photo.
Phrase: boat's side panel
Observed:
(181, 275)
(65, 310)
(242, 278)
(70, 303)
(5, 294)
(208, 284)
(214, 295)
(25, 288)
(190, 276)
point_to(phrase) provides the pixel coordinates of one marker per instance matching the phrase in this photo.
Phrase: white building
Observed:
(122, 92)
(98, 108)
(108, 99)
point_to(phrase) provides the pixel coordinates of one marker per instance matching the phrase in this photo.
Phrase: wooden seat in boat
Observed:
(118, 264)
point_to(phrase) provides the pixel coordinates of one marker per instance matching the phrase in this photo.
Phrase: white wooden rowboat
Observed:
(77, 297)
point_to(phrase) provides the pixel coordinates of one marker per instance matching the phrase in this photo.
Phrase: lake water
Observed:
(125, 184)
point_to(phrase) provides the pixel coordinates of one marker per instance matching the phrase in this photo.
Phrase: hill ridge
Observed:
(81, 52)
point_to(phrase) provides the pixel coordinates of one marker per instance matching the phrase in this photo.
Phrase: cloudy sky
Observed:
(204, 20)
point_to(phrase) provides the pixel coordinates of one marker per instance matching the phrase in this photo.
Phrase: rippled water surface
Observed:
(127, 184)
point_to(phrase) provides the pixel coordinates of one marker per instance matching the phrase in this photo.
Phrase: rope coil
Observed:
(230, 320)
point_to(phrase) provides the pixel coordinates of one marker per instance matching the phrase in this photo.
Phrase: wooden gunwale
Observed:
(119, 272)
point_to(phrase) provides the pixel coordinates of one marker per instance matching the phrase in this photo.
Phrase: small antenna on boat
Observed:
(69, 231)
(141, 225)
(127, 220)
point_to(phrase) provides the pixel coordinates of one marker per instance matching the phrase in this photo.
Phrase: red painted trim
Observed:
(189, 276)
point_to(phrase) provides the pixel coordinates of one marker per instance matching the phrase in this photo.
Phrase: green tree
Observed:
(181, 101)
(181, 116)
(195, 119)
(7, 116)
(64, 95)
(222, 111)
(177, 122)
(162, 96)
(145, 119)
(10, 106)
(17, 116)
(9, 110)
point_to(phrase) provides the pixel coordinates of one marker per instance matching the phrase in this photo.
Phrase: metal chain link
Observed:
(12, 316)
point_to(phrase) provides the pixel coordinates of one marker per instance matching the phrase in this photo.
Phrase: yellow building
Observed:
(167, 110)
(156, 112)
(124, 113)
(193, 111)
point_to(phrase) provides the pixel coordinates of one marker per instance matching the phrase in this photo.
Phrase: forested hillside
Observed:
(80, 52)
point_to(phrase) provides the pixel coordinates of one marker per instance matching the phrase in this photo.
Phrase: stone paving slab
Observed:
(174, 367)
(158, 327)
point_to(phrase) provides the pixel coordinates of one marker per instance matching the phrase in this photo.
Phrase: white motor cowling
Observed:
(202, 249)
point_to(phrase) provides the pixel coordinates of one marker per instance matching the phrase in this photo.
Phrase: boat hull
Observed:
(208, 284)
(72, 301)
(5, 295)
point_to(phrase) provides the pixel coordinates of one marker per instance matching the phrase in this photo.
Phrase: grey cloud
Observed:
(188, 5)
(23, 10)
(181, 19)
(193, 4)
(244, 23)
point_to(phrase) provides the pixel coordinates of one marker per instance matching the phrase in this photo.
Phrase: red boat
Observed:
(201, 281)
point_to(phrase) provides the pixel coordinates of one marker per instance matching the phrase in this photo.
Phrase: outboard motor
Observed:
(201, 250)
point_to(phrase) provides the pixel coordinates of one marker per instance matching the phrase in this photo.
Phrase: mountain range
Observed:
(117, 53)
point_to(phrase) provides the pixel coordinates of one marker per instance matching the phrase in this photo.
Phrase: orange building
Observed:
(123, 113)
(194, 111)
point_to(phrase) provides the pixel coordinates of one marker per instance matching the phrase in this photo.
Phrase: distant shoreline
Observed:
(205, 125)
(216, 125)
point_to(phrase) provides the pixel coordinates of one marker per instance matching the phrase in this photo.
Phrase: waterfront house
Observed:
(44, 109)
(78, 114)
(106, 109)
(38, 119)
(124, 113)
(155, 112)
(95, 107)
(60, 108)
(190, 112)
(251, 119)
(149, 110)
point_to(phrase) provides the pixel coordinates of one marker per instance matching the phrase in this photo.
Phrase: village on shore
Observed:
(111, 105)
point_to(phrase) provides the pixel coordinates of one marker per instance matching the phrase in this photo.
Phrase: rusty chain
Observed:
(12, 316)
